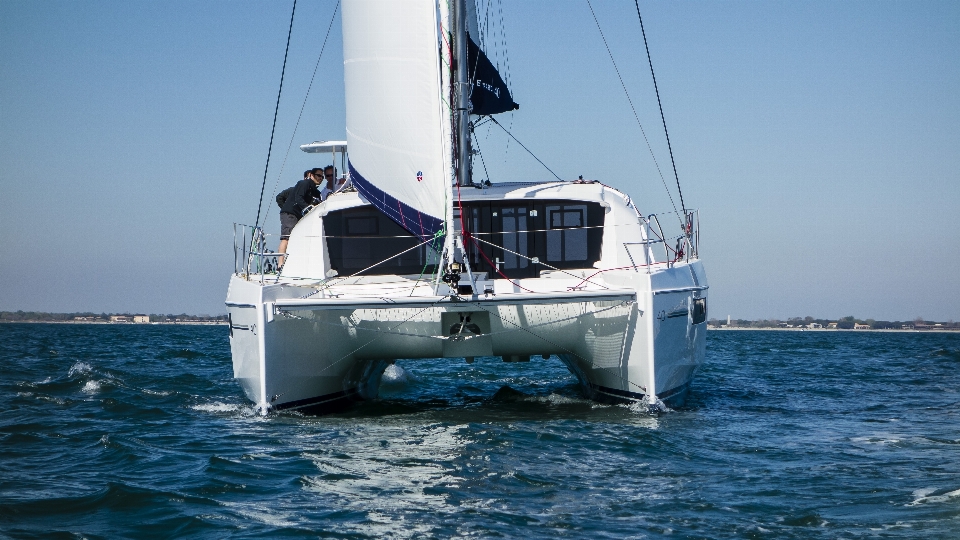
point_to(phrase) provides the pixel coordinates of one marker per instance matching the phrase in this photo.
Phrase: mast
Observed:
(462, 93)
(457, 259)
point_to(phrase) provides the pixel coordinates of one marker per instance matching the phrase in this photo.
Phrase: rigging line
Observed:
(351, 353)
(329, 284)
(417, 283)
(635, 266)
(424, 269)
(276, 110)
(635, 115)
(355, 326)
(525, 148)
(516, 232)
(503, 42)
(571, 318)
(662, 118)
(482, 162)
(537, 262)
(286, 312)
(497, 269)
(303, 106)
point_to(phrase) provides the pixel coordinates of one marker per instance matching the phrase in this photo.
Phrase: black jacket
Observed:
(303, 196)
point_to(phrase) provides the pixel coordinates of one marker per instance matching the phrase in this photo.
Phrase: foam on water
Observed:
(925, 496)
(216, 407)
(785, 435)
(79, 368)
(395, 374)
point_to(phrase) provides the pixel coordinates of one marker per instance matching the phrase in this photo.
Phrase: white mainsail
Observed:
(398, 113)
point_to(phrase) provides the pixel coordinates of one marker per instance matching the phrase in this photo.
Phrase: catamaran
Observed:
(416, 260)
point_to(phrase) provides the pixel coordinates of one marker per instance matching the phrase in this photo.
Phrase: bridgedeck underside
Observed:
(318, 354)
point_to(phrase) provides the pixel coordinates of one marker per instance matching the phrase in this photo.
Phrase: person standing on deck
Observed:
(305, 193)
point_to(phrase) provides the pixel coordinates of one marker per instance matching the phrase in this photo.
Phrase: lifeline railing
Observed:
(686, 245)
(250, 253)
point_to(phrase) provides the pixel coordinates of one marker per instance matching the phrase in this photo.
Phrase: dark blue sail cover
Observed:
(490, 94)
(421, 225)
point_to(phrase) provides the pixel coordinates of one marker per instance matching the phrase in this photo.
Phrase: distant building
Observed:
(85, 318)
(141, 319)
(120, 318)
(814, 325)
(831, 325)
(858, 326)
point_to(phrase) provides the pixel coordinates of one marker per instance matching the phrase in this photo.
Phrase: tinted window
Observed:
(566, 235)
(361, 237)
(515, 237)
(561, 234)
(357, 226)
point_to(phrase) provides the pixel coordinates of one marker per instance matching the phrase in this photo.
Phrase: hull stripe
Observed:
(307, 402)
(664, 396)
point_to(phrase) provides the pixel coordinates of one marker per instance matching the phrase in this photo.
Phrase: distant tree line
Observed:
(844, 323)
(41, 316)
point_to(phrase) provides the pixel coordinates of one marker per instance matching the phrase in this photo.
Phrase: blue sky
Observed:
(820, 140)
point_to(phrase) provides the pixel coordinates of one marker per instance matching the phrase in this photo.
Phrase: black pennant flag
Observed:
(490, 94)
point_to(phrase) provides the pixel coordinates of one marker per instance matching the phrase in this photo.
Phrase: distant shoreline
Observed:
(207, 323)
(711, 328)
(900, 330)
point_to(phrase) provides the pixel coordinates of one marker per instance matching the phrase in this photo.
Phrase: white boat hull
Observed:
(637, 339)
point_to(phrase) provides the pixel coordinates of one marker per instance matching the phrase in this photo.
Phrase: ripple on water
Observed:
(130, 430)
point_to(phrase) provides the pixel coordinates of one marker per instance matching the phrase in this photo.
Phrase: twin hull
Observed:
(640, 338)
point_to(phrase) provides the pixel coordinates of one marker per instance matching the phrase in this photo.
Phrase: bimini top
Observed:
(324, 147)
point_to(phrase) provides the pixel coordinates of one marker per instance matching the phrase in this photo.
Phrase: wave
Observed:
(217, 407)
(950, 354)
(79, 368)
(115, 495)
(926, 496)
(179, 353)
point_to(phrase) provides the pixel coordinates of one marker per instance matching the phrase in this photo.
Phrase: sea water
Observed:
(139, 431)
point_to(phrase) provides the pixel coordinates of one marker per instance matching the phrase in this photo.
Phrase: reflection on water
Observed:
(134, 430)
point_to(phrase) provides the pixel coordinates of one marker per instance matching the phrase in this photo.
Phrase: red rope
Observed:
(484, 255)
(403, 220)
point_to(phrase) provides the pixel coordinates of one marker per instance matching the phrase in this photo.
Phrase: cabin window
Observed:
(362, 226)
(566, 234)
(699, 310)
(361, 237)
(561, 234)
(515, 238)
